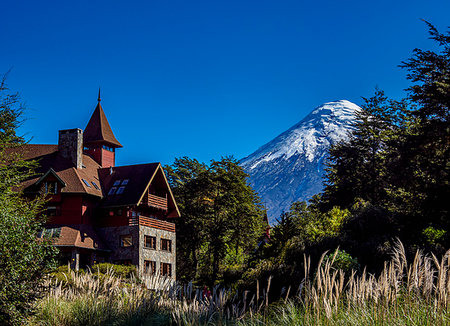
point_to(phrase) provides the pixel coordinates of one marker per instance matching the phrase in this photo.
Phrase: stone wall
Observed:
(157, 255)
(138, 253)
(111, 236)
(70, 145)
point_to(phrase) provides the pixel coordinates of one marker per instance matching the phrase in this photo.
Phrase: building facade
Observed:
(100, 212)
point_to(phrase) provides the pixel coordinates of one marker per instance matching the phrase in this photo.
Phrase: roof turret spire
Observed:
(98, 130)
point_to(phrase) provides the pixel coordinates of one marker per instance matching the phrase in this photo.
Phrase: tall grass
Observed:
(416, 293)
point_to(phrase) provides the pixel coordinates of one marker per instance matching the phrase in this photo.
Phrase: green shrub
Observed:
(122, 271)
(433, 236)
(342, 261)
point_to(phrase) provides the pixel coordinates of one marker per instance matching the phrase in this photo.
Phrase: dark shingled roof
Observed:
(48, 157)
(80, 236)
(139, 177)
(98, 129)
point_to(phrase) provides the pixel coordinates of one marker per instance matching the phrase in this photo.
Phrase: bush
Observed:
(23, 260)
(122, 271)
(342, 261)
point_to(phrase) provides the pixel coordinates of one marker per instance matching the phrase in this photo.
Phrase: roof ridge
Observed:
(79, 179)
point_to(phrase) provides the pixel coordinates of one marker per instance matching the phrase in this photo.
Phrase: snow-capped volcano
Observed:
(291, 166)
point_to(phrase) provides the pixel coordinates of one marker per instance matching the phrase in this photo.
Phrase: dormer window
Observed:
(49, 233)
(51, 188)
(112, 191)
(116, 183)
(86, 183)
(125, 182)
(95, 185)
(120, 190)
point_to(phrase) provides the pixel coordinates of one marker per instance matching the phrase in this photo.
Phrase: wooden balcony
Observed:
(152, 223)
(157, 202)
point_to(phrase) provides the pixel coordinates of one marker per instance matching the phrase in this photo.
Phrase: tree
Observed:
(221, 215)
(358, 165)
(23, 259)
(426, 147)
(397, 159)
(186, 182)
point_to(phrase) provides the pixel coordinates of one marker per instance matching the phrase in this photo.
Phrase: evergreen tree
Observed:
(23, 260)
(221, 215)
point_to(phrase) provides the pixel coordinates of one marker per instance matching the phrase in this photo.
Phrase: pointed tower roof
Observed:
(98, 129)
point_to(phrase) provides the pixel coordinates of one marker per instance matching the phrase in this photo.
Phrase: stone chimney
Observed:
(70, 145)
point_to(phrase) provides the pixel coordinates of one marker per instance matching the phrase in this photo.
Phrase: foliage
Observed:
(222, 216)
(411, 292)
(340, 260)
(433, 236)
(393, 172)
(23, 259)
(122, 271)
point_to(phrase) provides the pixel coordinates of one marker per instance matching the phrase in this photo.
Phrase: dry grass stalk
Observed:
(426, 279)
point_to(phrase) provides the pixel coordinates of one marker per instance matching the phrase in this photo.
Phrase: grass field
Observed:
(415, 293)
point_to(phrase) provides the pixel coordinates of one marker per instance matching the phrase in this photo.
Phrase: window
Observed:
(135, 214)
(95, 185)
(120, 190)
(108, 148)
(150, 267)
(53, 211)
(166, 245)
(116, 183)
(149, 242)
(112, 191)
(126, 240)
(86, 183)
(51, 188)
(50, 233)
(166, 269)
(125, 182)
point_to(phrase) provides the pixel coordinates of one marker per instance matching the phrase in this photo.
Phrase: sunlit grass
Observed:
(415, 293)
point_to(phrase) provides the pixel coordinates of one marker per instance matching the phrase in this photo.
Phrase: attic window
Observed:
(112, 191)
(51, 188)
(116, 183)
(50, 233)
(95, 185)
(125, 182)
(86, 183)
(120, 190)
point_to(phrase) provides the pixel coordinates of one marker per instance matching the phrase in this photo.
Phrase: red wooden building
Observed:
(100, 212)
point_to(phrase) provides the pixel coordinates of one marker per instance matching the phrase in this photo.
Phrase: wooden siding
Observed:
(152, 223)
(70, 211)
(157, 201)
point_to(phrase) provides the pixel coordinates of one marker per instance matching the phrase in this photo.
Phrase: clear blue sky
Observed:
(203, 78)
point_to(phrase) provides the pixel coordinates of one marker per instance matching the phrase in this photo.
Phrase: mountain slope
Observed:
(291, 166)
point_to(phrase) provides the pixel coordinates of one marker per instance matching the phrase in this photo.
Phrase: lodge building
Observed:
(100, 212)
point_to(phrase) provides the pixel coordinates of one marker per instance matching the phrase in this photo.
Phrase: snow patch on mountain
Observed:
(291, 166)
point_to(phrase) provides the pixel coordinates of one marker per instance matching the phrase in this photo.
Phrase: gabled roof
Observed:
(98, 129)
(139, 177)
(52, 172)
(48, 158)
